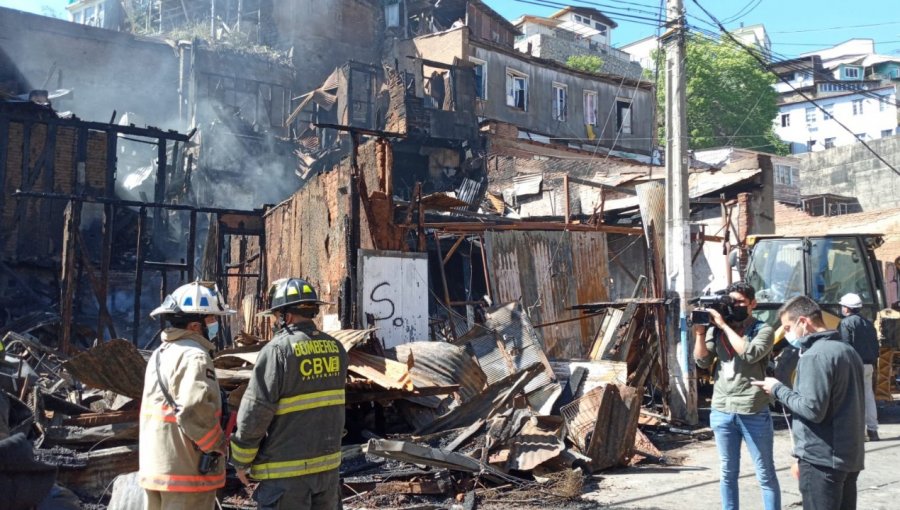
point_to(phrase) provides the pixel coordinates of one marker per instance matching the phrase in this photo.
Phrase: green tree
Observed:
(730, 98)
(587, 63)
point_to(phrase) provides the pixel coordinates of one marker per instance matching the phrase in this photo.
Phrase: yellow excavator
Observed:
(822, 267)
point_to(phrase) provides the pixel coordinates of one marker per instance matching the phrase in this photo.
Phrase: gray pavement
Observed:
(694, 483)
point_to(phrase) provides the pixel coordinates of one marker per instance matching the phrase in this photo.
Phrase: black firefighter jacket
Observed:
(292, 415)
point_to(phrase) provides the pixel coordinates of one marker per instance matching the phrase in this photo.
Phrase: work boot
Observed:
(871, 435)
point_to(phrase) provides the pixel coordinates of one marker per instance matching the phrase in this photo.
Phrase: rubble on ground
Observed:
(485, 418)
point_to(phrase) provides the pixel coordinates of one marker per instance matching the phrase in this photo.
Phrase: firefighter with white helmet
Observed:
(291, 419)
(181, 439)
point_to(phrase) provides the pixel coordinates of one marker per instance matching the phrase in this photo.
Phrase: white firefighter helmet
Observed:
(196, 298)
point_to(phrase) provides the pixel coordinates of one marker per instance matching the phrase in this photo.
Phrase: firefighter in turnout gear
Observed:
(181, 439)
(291, 417)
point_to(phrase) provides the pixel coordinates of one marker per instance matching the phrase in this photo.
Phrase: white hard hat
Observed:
(851, 300)
(196, 298)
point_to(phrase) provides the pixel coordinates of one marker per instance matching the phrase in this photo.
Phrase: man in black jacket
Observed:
(827, 406)
(860, 333)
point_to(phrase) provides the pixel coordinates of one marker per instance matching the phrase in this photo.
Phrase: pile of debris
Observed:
(483, 418)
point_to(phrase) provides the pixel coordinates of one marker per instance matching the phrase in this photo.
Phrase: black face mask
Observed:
(739, 314)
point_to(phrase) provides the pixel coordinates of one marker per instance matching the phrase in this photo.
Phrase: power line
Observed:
(747, 9)
(831, 28)
(825, 44)
(801, 94)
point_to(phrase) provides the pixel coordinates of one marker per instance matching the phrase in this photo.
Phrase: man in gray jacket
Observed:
(827, 407)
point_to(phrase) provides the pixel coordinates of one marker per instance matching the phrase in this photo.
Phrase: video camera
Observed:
(720, 302)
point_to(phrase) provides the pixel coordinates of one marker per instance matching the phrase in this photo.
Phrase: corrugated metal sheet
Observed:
(703, 183)
(525, 185)
(548, 272)
(507, 344)
(444, 364)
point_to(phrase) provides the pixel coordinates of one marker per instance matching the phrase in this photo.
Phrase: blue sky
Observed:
(794, 26)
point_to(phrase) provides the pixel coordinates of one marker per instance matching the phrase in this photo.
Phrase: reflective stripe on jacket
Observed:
(292, 415)
(172, 441)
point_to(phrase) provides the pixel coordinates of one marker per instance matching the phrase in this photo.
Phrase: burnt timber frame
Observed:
(187, 268)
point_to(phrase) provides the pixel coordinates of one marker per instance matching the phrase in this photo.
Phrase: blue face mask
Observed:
(792, 338)
(212, 330)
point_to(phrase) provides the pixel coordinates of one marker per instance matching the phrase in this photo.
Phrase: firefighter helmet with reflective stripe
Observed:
(291, 292)
(196, 298)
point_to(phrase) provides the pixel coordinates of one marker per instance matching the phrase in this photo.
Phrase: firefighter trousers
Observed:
(321, 491)
(160, 500)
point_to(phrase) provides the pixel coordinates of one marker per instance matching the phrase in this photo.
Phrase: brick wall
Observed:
(31, 229)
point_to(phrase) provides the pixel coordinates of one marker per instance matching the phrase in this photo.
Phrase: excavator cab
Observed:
(821, 267)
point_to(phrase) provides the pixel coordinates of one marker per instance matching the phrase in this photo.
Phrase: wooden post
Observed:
(138, 275)
(437, 244)
(192, 241)
(105, 256)
(566, 193)
(72, 221)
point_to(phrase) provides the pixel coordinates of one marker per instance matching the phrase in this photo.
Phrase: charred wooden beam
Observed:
(72, 220)
(75, 122)
(136, 203)
(139, 274)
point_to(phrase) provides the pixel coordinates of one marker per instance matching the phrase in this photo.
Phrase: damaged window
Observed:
(516, 89)
(392, 13)
(437, 88)
(480, 78)
(623, 116)
(590, 108)
(560, 100)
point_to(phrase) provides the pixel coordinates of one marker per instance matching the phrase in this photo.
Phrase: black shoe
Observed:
(872, 435)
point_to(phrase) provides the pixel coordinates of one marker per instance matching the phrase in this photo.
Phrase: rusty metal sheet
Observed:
(704, 183)
(537, 442)
(443, 364)
(550, 272)
(494, 399)
(506, 344)
(442, 201)
(115, 366)
(387, 373)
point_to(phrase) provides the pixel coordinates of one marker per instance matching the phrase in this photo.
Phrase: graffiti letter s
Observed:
(372, 297)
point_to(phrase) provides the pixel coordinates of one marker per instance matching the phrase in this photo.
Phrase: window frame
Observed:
(513, 74)
(621, 124)
(829, 142)
(560, 114)
(784, 175)
(477, 62)
(810, 114)
(829, 111)
(860, 103)
(786, 119)
(596, 109)
(855, 74)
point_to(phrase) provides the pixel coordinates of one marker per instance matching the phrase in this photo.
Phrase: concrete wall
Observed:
(538, 116)
(326, 33)
(854, 171)
(554, 48)
(105, 70)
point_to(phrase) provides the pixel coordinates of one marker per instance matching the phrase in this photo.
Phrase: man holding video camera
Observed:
(726, 330)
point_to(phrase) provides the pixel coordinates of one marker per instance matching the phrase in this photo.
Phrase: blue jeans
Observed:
(756, 429)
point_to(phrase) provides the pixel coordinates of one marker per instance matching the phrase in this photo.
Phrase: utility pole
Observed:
(682, 374)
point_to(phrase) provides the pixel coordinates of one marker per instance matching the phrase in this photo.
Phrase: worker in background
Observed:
(740, 412)
(181, 440)
(827, 407)
(291, 417)
(860, 333)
